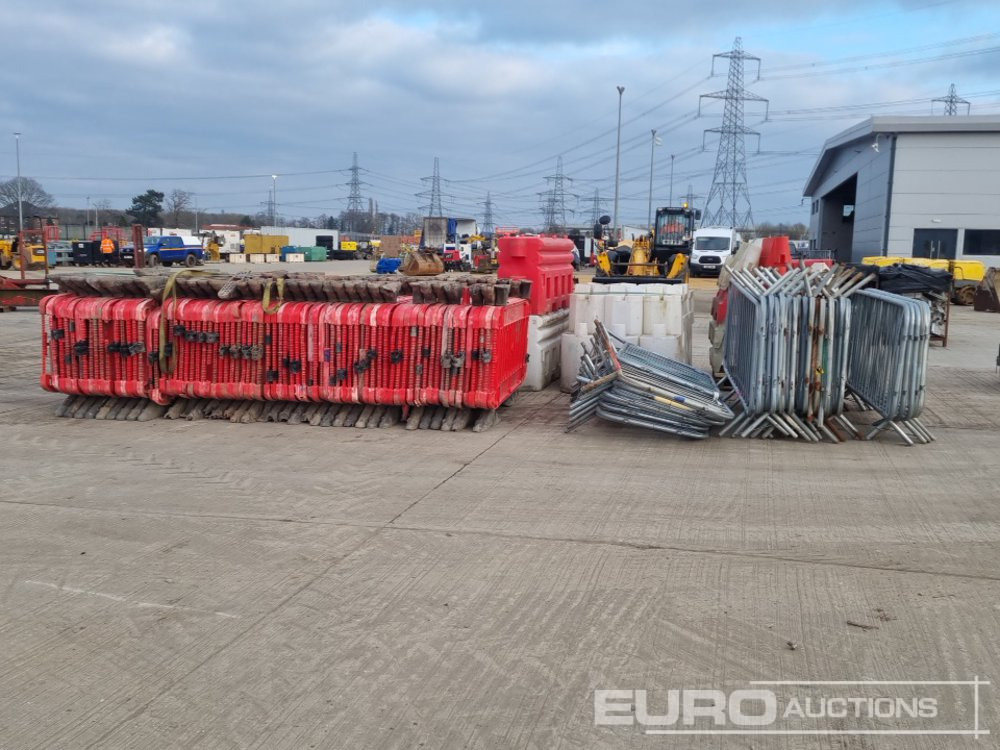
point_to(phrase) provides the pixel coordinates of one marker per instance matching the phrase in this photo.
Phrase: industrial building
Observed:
(909, 186)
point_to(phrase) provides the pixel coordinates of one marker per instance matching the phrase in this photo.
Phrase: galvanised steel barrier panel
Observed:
(888, 361)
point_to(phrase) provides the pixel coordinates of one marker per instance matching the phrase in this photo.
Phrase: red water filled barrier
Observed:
(394, 353)
(547, 262)
(97, 346)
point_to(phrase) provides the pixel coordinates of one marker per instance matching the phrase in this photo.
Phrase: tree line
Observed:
(176, 208)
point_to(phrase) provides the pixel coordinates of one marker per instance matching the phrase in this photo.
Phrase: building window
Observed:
(982, 242)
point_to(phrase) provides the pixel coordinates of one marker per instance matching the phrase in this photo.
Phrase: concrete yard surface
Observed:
(208, 585)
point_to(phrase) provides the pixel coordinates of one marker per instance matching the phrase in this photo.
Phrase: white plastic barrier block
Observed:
(295, 257)
(662, 310)
(257, 258)
(237, 257)
(571, 349)
(544, 332)
(633, 310)
(272, 257)
(666, 346)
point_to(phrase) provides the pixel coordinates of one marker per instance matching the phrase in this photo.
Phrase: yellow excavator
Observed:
(661, 257)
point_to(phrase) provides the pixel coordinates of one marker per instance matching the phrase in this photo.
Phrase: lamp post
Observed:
(86, 221)
(20, 210)
(671, 179)
(652, 149)
(618, 160)
(274, 200)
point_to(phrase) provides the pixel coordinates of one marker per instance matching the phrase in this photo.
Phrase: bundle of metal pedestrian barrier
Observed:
(887, 369)
(624, 383)
(798, 344)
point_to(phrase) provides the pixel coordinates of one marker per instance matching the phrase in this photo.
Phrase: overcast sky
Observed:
(213, 96)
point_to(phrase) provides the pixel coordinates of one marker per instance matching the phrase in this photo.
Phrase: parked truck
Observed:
(173, 248)
(452, 238)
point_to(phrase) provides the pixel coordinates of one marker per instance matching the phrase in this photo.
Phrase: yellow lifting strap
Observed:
(169, 362)
(266, 302)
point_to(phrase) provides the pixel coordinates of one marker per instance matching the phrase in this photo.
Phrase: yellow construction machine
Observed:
(661, 257)
(14, 253)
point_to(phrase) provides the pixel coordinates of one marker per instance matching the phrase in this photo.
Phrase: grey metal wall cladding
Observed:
(945, 181)
(872, 170)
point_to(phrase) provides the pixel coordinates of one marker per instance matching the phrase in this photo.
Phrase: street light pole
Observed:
(671, 179)
(618, 160)
(652, 150)
(20, 210)
(274, 200)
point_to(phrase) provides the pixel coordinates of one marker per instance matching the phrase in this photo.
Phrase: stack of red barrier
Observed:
(372, 353)
(213, 349)
(377, 353)
(98, 346)
(547, 262)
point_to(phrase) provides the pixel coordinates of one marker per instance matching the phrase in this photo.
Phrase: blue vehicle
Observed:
(168, 249)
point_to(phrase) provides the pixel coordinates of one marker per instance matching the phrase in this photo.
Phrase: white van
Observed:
(710, 247)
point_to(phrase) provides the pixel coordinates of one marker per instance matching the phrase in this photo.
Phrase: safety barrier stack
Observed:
(98, 346)
(799, 344)
(888, 361)
(458, 356)
(547, 262)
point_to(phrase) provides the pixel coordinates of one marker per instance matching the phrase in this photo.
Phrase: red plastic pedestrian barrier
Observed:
(294, 353)
(373, 353)
(547, 262)
(215, 349)
(97, 346)
(498, 349)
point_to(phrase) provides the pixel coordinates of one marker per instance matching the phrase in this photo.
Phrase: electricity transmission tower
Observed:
(595, 210)
(488, 229)
(690, 197)
(554, 207)
(434, 194)
(728, 202)
(952, 102)
(354, 208)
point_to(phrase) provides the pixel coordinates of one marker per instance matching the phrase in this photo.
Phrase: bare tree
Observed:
(31, 192)
(178, 201)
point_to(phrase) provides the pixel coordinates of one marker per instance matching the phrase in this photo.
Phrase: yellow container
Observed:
(264, 243)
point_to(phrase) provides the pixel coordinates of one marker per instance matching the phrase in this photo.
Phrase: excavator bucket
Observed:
(420, 263)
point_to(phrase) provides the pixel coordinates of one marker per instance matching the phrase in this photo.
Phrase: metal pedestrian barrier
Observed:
(786, 351)
(624, 383)
(888, 361)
